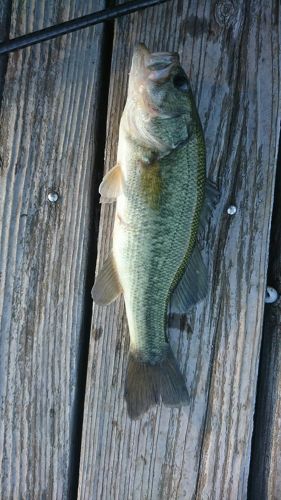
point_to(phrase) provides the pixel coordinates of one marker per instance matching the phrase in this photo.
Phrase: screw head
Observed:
(53, 197)
(271, 295)
(232, 209)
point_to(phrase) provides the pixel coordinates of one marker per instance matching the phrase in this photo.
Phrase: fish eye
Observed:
(181, 83)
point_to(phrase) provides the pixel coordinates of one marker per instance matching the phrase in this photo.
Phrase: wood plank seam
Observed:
(102, 98)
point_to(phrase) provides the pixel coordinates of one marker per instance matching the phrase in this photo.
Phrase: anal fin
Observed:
(107, 285)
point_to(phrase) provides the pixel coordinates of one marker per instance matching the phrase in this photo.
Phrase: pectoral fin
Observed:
(111, 185)
(107, 285)
(193, 286)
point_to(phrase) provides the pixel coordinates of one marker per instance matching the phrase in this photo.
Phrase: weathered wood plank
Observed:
(230, 51)
(48, 128)
(5, 7)
(265, 471)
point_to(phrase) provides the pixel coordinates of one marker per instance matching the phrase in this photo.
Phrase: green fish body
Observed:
(159, 185)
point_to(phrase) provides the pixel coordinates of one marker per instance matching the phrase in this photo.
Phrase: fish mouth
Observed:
(156, 66)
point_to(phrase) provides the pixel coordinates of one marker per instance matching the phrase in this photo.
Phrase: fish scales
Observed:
(152, 244)
(159, 185)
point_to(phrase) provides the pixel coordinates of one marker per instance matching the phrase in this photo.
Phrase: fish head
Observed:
(158, 84)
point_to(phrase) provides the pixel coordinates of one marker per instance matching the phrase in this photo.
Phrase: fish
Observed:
(159, 185)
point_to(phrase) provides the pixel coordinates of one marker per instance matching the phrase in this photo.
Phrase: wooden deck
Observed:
(64, 429)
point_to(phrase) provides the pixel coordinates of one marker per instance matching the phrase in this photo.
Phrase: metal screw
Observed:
(53, 197)
(271, 295)
(232, 210)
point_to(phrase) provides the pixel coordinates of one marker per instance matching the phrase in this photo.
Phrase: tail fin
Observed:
(147, 382)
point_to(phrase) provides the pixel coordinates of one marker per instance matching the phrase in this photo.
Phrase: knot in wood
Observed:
(225, 12)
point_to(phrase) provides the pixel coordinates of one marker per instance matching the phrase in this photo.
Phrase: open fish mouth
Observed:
(157, 65)
(161, 65)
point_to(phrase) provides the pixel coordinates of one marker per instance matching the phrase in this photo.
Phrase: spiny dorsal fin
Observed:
(192, 287)
(211, 199)
(107, 285)
(111, 185)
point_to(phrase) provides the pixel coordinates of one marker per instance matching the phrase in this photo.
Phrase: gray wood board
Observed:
(5, 7)
(265, 477)
(230, 51)
(48, 124)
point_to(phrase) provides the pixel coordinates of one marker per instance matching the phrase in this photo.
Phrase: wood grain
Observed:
(265, 471)
(230, 51)
(5, 7)
(47, 143)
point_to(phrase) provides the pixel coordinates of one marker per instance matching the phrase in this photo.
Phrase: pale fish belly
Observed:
(149, 245)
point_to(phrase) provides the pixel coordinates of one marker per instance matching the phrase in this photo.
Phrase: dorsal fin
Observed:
(210, 201)
(192, 287)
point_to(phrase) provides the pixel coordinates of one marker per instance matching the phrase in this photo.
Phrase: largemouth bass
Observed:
(159, 185)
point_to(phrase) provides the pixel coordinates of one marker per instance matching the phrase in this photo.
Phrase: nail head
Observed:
(271, 295)
(53, 197)
(232, 210)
